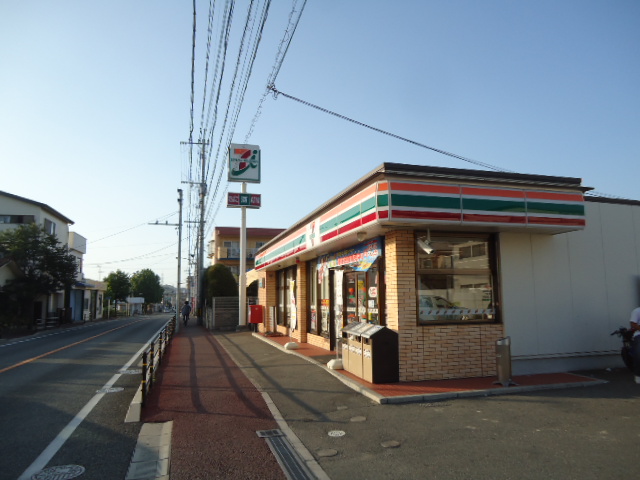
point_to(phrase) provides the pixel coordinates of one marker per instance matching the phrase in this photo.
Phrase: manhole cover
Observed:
(336, 433)
(62, 472)
(110, 390)
(131, 372)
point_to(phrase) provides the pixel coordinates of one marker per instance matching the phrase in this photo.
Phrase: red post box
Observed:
(255, 314)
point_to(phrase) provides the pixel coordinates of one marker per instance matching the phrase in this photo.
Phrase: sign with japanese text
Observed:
(249, 200)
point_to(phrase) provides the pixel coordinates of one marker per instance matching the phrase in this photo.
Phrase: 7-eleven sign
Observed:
(244, 163)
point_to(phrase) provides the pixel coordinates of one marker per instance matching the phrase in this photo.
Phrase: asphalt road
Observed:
(574, 433)
(51, 379)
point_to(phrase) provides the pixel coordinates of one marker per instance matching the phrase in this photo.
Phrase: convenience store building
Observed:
(453, 260)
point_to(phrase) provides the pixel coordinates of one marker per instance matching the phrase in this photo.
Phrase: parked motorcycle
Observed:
(626, 335)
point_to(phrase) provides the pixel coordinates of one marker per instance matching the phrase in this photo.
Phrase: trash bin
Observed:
(380, 355)
(353, 352)
(503, 362)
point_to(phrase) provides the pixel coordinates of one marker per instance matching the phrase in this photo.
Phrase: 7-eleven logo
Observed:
(242, 159)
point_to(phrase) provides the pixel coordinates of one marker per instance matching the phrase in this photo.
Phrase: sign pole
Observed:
(242, 277)
(244, 166)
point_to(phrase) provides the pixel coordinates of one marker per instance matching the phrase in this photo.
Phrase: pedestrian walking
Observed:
(186, 310)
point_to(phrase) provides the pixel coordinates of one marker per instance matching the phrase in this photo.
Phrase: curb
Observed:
(151, 457)
(429, 397)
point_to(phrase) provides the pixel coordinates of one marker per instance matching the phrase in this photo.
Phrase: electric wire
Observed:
(283, 48)
(276, 92)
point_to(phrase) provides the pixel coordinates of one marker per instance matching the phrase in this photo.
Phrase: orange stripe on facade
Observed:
(566, 197)
(287, 239)
(492, 192)
(421, 187)
(357, 198)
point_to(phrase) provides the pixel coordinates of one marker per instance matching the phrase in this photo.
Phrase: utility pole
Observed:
(203, 193)
(178, 298)
(179, 225)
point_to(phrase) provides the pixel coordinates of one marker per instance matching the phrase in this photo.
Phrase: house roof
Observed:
(8, 263)
(43, 206)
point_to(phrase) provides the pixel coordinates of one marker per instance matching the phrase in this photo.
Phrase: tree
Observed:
(118, 285)
(46, 264)
(146, 284)
(220, 282)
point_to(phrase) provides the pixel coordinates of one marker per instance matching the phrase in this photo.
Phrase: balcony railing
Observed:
(231, 253)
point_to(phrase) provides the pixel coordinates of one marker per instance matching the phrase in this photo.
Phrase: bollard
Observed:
(151, 370)
(144, 377)
(503, 362)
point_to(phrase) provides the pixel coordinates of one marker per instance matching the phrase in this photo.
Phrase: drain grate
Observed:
(270, 433)
(62, 472)
(133, 371)
(292, 465)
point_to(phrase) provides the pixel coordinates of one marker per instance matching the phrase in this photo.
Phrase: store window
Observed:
(319, 299)
(286, 285)
(456, 278)
(362, 301)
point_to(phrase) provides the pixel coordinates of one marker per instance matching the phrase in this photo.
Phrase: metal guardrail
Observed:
(152, 357)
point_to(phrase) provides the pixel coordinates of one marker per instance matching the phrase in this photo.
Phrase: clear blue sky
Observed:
(95, 102)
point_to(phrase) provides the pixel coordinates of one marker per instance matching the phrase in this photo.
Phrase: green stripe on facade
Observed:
(493, 205)
(423, 201)
(367, 205)
(338, 220)
(383, 200)
(556, 208)
(292, 245)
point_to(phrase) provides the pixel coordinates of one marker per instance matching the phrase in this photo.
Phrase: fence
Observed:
(222, 313)
(152, 357)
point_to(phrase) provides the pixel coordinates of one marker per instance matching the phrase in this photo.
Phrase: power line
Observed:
(282, 52)
(276, 92)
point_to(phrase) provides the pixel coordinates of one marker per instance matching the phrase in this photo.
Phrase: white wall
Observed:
(563, 295)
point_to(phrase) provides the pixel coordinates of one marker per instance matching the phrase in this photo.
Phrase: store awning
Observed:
(359, 257)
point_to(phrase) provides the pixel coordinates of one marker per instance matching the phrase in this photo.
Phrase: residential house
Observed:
(16, 210)
(224, 248)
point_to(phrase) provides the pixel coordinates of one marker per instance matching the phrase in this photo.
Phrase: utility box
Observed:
(380, 355)
(503, 361)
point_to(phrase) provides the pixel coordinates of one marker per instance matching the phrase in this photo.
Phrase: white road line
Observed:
(56, 444)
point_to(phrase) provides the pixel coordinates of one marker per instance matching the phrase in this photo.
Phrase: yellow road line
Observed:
(33, 359)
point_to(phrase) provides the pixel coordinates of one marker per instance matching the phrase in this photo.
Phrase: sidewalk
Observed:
(216, 411)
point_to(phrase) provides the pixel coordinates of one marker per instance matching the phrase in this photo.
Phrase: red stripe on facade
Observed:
(383, 214)
(577, 222)
(329, 235)
(372, 217)
(566, 197)
(474, 217)
(422, 215)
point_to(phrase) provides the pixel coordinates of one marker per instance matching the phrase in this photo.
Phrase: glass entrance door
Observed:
(356, 297)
